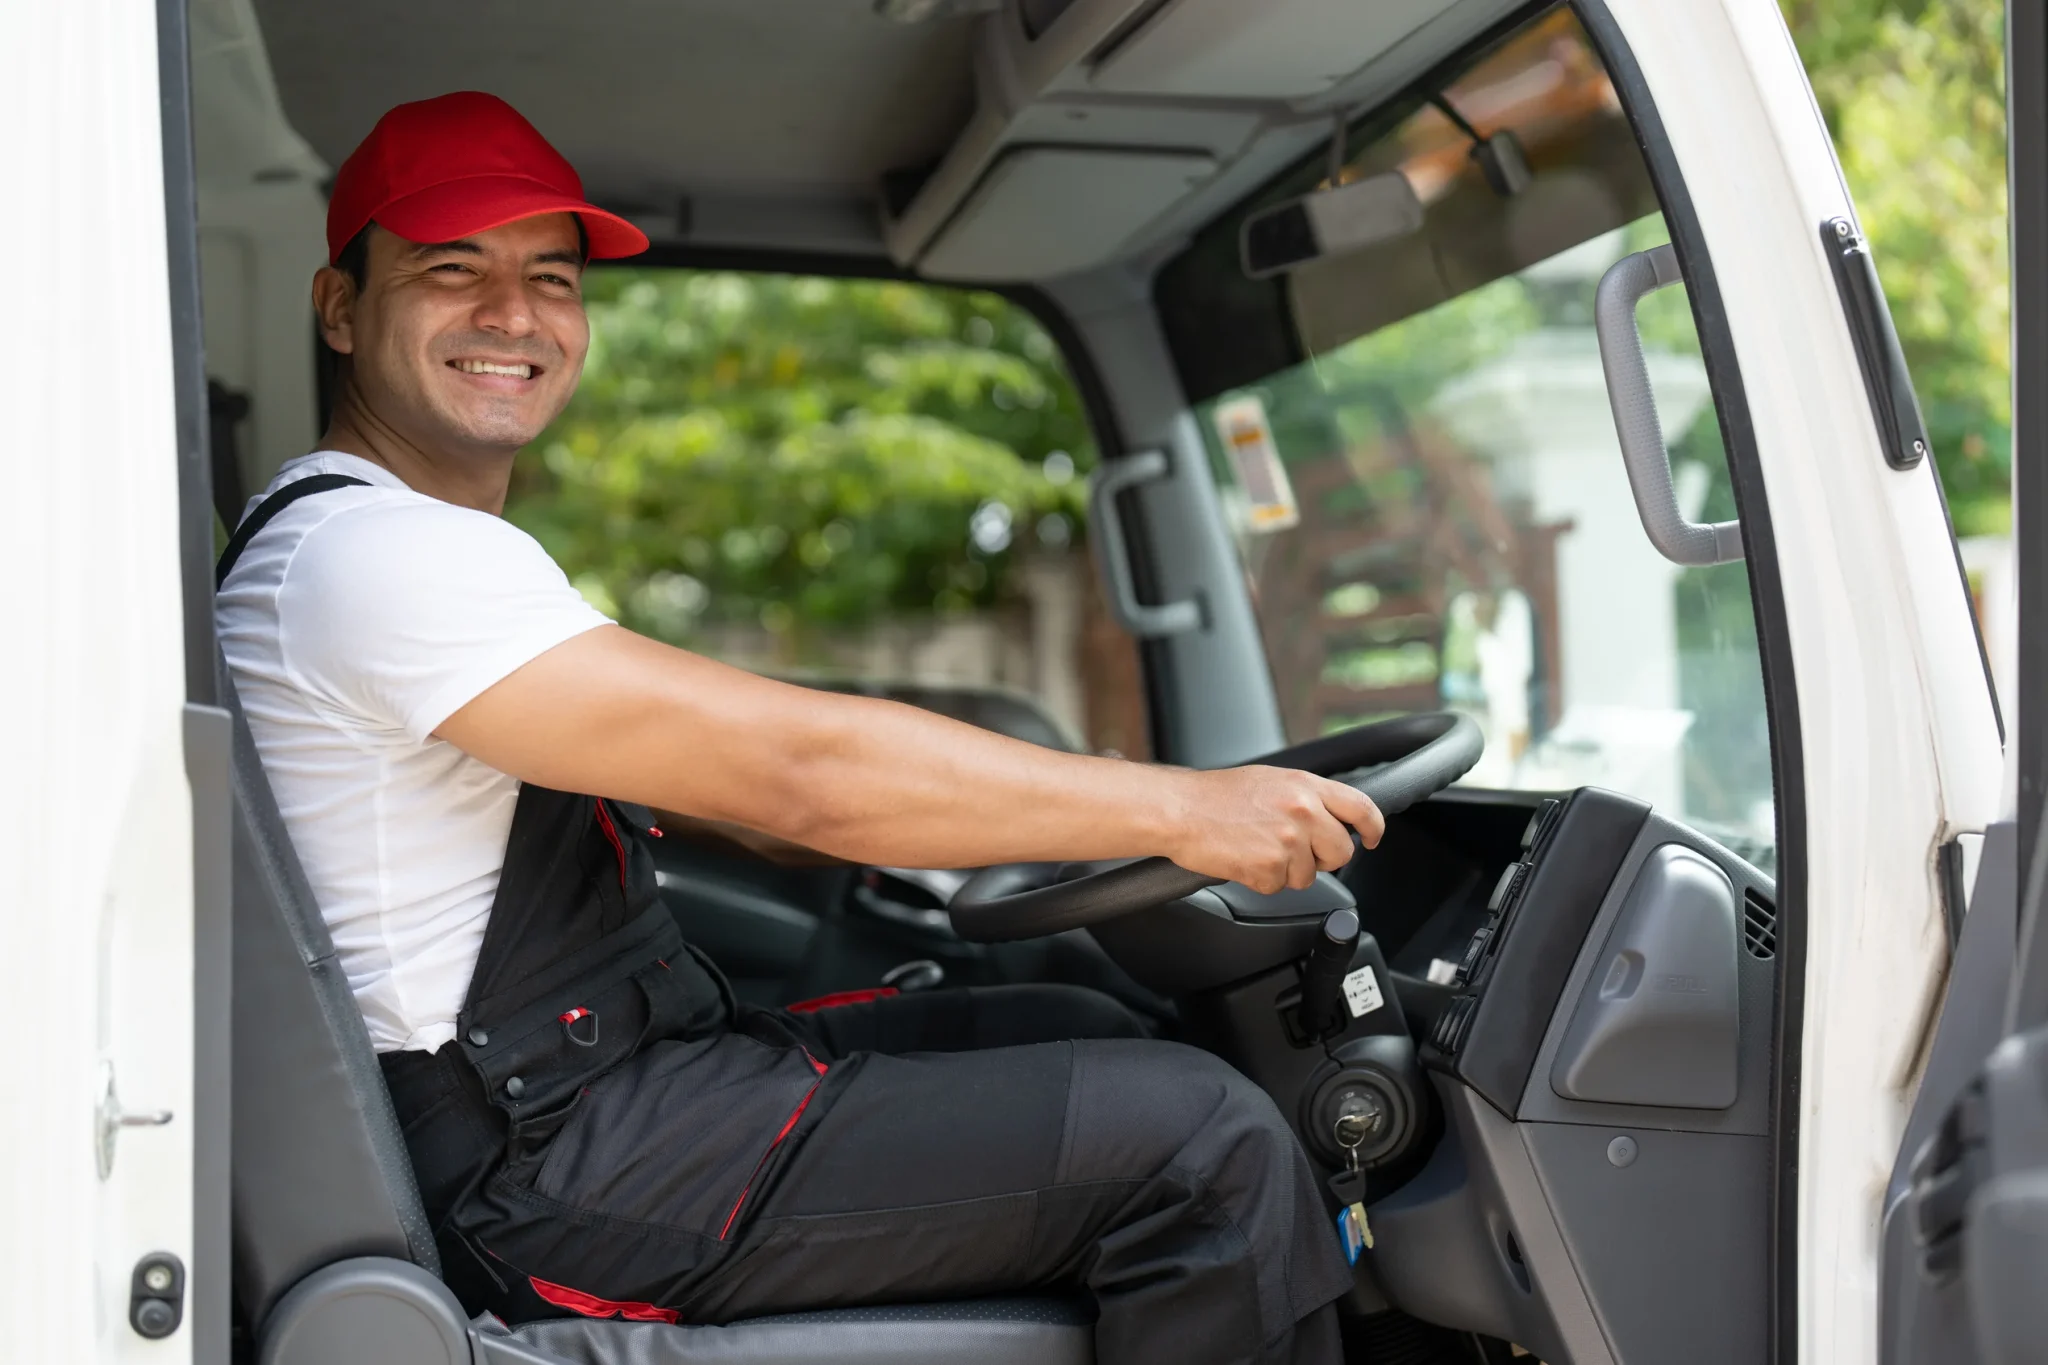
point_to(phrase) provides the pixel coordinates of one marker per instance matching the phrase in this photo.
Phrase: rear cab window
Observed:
(863, 485)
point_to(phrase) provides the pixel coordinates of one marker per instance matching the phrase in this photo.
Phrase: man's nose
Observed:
(505, 307)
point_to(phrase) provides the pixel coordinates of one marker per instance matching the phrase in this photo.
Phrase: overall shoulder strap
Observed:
(270, 507)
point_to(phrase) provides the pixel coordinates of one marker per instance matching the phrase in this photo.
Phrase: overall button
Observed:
(515, 1087)
(479, 1038)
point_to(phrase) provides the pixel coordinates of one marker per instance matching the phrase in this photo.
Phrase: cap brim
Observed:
(460, 208)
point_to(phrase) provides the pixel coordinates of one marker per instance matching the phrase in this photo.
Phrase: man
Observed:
(596, 1125)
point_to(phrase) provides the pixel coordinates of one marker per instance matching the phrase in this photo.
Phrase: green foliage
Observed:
(803, 452)
(1914, 93)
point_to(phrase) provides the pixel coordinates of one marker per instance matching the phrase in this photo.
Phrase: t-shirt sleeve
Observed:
(403, 612)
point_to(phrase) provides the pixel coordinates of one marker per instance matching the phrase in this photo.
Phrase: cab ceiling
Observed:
(648, 98)
(772, 123)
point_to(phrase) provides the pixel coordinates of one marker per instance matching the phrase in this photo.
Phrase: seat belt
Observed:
(270, 507)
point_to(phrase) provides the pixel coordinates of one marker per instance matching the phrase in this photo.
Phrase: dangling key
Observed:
(1354, 1231)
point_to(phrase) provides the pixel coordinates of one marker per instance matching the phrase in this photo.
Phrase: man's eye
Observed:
(556, 279)
(455, 266)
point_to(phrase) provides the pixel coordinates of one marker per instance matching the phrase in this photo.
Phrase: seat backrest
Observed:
(320, 1167)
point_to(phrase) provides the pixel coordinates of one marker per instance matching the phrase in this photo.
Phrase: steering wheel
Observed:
(1402, 760)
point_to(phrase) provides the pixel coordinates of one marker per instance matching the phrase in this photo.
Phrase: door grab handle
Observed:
(1635, 414)
(1113, 552)
(1900, 428)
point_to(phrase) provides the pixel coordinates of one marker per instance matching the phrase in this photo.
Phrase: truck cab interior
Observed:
(1415, 452)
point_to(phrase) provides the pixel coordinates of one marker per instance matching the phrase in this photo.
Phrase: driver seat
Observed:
(333, 1258)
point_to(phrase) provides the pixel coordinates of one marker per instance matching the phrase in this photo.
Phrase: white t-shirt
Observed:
(355, 623)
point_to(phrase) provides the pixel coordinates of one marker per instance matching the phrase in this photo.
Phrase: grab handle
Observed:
(1635, 414)
(1119, 585)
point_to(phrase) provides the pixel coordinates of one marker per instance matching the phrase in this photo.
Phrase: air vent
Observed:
(1759, 926)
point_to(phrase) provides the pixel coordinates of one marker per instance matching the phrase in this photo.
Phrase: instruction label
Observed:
(1362, 992)
(1248, 440)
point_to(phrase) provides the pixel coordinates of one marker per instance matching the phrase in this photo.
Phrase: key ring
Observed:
(571, 1018)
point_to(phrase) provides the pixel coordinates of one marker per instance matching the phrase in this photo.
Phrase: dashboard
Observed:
(1598, 1043)
(1563, 1028)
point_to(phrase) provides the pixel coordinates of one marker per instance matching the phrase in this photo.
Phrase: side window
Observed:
(860, 485)
(1449, 524)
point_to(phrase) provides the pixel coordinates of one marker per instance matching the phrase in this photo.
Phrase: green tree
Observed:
(803, 452)
(1913, 91)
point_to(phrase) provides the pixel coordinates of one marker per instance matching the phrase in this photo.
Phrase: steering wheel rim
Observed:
(1416, 756)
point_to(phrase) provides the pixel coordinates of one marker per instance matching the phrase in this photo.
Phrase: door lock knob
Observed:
(156, 1295)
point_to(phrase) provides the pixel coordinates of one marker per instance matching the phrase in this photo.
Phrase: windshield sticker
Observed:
(1248, 438)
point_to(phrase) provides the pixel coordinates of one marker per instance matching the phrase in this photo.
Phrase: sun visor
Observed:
(1271, 49)
(1043, 212)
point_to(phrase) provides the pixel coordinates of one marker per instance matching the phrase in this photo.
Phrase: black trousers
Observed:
(943, 1145)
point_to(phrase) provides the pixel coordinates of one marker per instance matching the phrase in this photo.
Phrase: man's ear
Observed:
(334, 303)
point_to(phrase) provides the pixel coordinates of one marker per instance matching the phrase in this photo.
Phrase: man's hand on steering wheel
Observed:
(1262, 825)
(1270, 828)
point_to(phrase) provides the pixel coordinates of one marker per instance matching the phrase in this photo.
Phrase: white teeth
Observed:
(486, 367)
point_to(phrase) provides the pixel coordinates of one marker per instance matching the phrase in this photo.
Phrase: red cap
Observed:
(445, 168)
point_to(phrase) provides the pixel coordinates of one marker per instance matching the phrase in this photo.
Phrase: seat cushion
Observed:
(982, 1331)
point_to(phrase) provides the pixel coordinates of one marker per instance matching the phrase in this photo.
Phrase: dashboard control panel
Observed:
(1512, 970)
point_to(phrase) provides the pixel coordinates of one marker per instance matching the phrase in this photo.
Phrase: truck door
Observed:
(1966, 1213)
(114, 761)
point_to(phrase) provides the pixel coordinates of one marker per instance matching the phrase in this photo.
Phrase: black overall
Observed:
(611, 1134)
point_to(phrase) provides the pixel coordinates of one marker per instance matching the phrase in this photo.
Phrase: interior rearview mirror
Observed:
(1329, 223)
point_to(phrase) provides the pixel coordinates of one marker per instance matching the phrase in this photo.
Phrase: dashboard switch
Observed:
(1473, 952)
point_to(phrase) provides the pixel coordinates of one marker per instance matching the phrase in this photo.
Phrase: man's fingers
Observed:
(1355, 809)
(1332, 841)
(1301, 867)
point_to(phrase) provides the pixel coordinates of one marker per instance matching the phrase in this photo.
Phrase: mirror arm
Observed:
(1340, 140)
(1449, 111)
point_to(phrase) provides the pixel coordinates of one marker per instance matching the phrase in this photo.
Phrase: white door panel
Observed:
(95, 846)
(1881, 638)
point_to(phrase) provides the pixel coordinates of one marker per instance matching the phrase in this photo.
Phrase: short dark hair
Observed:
(354, 260)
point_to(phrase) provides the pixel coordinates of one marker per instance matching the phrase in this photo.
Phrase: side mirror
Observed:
(1329, 223)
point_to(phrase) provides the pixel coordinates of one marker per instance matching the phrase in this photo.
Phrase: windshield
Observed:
(1432, 509)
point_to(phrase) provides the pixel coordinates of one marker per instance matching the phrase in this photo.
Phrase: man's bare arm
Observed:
(731, 838)
(615, 714)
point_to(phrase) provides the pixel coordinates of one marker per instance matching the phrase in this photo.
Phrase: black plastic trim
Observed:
(1955, 894)
(1774, 640)
(1555, 911)
(1893, 405)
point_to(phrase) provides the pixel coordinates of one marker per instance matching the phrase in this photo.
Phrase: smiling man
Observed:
(464, 752)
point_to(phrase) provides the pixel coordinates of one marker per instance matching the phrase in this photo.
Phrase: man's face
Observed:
(474, 343)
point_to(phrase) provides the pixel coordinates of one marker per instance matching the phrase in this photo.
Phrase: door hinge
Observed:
(1979, 1204)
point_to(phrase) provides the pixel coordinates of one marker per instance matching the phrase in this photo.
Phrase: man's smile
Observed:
(504, 376)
